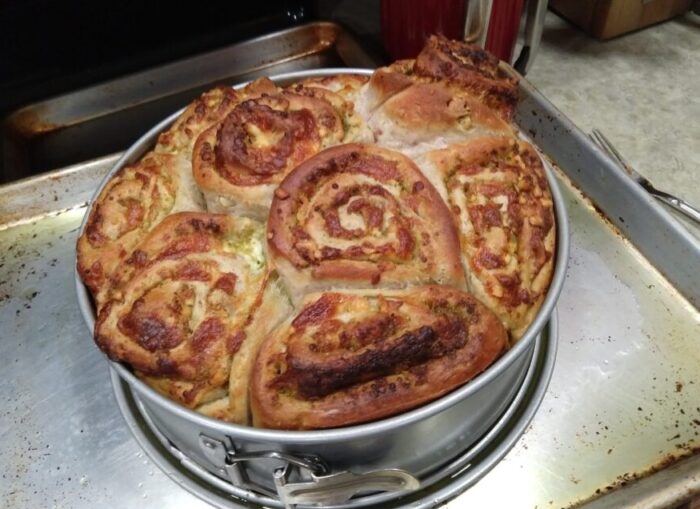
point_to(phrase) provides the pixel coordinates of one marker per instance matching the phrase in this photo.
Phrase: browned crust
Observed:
(392, 352)
(471, 67)
(178, 310)
(498, 192)
(262, 139)
(346, 85)
(401, 231)
(208, 109)
(133, 202)
(439, 107)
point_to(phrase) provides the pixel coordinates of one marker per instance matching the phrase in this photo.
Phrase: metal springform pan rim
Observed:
(349, 432)
(471, 466)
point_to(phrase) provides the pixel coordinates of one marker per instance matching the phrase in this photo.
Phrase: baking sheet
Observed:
(624, 398)
(110, 116)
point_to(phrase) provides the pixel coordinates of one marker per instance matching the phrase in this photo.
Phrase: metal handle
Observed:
(313, 464)
(311, 480)
(476, 26)
(534, 24)
(678, 204)
(329, 490)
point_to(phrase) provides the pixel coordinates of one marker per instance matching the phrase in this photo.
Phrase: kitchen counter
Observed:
(641, 90)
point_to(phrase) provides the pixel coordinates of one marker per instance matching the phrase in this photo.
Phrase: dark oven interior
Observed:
(82, 79)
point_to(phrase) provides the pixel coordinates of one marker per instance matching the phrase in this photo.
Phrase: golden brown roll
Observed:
(498, 193)
(473, 69)
(183, 312)
(384, 83)
(353, 357)
(132, 203)
(340, 92)
(359, 215)
(239, 162)
(347, 86)
(210, 108)
(140, 195)
(429, 115)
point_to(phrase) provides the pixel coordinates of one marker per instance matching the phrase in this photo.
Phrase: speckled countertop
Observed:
(641, 89)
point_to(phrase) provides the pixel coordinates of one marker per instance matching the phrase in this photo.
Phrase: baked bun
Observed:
(384, 83)
(427, 116)
(355, 211)
(134, 201)
(211, 107)
(347, 86)
(340, 92)
(497, 190)
(359, 215)
(352, 357)
(208, 109)
(239, 162)
(180, 312)
(471, 68)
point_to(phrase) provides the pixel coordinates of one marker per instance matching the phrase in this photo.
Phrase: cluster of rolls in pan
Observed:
(330, 252)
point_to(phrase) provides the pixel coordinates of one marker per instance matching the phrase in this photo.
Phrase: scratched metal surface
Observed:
(624, 396)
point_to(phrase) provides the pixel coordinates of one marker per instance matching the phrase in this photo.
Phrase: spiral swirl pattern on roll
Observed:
(135, 200)
(498, 193)
(361, 216)
(239, 161)
(358, 212)
(352, 357)
(178, 312)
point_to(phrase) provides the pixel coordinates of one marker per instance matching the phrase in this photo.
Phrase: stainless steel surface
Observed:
(622, 403)
(536, 11)
(668, 246)
(110, 116)
(672, 201)
(438, 431)
(452, 480)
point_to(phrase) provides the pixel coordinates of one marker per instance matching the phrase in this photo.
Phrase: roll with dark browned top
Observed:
(184, 311)
(477, 71)
(352, 357)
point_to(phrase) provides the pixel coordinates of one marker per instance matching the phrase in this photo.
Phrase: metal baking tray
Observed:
(108, 117)
(622, 408)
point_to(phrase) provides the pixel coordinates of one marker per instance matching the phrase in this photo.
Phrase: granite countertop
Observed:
(642, 90)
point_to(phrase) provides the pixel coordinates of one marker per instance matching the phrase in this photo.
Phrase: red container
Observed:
(406, 24)
(503, 28)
